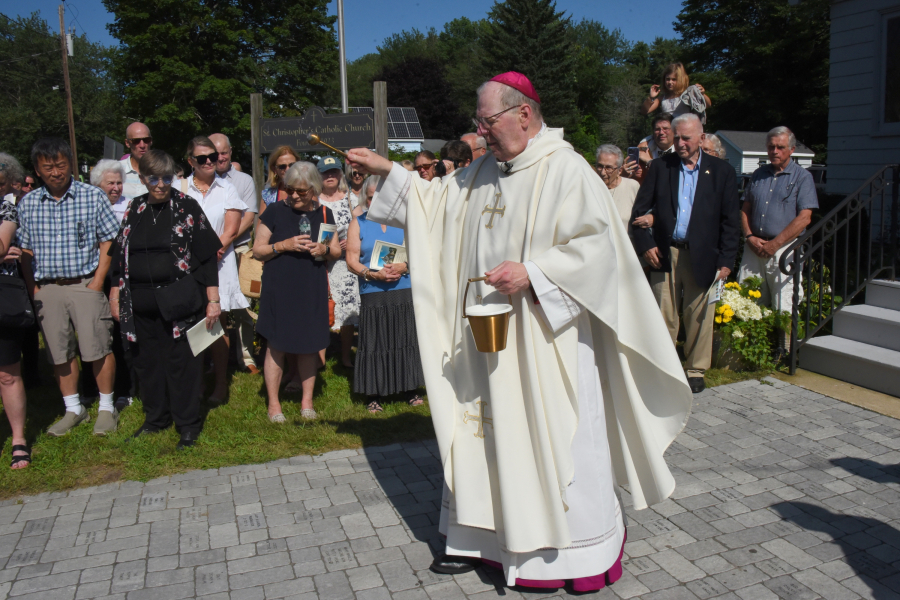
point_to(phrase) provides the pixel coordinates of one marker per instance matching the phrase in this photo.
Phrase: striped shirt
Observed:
(65, 235)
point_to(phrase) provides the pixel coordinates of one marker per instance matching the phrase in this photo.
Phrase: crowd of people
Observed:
(120, 269)
(678, 199)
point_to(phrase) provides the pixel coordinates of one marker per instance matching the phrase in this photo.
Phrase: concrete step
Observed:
(855, 362)
(883, 293)
(870, 325)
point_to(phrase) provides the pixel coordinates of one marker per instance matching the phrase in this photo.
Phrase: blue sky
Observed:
(368, 23)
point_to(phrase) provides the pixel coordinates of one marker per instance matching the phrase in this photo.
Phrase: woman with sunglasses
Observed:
(344, 284)
(224, 208)
(293, 304)
(355, 180)
(280, 160)
(165, 275)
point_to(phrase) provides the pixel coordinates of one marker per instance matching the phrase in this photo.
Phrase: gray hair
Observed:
(104, 166)
(717, 145)
(687, 118)
(371, 181)
(614, 150)
(306, 173)
(510, 96)
(782, 130)
(11, 168)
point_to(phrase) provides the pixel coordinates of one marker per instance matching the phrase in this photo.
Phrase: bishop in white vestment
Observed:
(589, 390)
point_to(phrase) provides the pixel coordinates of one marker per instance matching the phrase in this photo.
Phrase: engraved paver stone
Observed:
(151, 502)
(38, 526)
(251, 522)
(211, 579)
(20, 558)
(338, 556)
(128, 576)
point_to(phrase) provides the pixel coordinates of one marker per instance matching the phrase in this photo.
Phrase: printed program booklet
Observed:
(326, 232)
(200, 338)
(385, 253)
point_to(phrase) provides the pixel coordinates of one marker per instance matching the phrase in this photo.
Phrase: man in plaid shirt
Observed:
(65, 231)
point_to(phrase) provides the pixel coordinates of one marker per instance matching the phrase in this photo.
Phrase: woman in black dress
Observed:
(165, 277)
(293, 302)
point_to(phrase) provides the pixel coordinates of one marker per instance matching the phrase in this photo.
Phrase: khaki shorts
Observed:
(74, 314)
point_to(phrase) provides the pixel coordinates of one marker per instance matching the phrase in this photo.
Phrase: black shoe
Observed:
(697, 384)
(454, 565)
(142, 430)
(188, 439)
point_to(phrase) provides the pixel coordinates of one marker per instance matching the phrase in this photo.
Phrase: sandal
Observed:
(416, 400)
(279, 418)
(374, 407)
(22, 457)
(308, 413)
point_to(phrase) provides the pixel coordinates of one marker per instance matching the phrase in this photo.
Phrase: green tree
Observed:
(420, 83)
(768, 62)
(531, 37)
(32, 98)
(189, 66)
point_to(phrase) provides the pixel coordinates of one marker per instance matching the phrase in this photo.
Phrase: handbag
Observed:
(330, 299)
(15, 305)
(250, 275)
(179, 300)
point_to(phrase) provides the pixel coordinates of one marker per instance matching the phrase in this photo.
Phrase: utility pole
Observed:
(342, 56)
(65, 64)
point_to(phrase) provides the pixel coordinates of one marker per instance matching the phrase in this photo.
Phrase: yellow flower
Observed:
(728, 313)
(757, 294)
(720, 310)
(726, 319)
(718, 319)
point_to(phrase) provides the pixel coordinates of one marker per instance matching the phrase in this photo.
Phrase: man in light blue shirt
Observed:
(687, 185)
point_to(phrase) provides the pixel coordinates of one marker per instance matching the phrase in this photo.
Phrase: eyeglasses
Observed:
(153, 180)
(144, 140)
(424, 167)
(204, 158)
(488, 122)
(606, 167)
(354, 174)
(291, 191)
(285, 167)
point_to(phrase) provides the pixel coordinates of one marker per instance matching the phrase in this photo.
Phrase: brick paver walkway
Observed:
(781, 492)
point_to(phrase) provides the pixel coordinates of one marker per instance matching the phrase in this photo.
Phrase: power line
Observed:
(27, 57)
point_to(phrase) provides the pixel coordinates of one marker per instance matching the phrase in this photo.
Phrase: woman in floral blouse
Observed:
(165, 264)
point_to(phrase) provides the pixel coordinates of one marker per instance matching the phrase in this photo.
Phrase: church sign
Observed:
(344, 131)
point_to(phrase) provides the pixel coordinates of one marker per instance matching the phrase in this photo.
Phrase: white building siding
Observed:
(855, 150)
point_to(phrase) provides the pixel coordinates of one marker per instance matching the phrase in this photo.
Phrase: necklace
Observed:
(154, 213)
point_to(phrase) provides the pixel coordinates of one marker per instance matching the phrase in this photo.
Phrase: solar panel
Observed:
(415, 130)
(403, 122)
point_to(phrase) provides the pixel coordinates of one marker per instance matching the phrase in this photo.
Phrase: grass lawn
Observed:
(238, 432)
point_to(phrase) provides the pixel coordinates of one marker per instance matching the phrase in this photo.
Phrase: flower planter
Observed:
(723, 357)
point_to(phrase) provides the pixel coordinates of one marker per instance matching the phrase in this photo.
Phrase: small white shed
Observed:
(745, 149)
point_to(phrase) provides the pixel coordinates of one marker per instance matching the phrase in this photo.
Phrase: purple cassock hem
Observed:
(582, 584)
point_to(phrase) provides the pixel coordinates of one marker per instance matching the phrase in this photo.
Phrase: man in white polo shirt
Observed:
(247, 191)
(138, 141)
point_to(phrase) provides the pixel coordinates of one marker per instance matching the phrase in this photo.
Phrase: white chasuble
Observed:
(588, 385)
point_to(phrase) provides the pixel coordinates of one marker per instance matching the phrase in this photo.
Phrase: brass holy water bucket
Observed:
(489, 322)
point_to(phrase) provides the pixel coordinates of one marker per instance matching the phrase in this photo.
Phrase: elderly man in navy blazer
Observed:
(694, 240)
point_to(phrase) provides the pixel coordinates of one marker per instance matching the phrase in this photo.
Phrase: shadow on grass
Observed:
(849, 532)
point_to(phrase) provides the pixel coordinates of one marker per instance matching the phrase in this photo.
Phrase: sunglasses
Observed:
(285, 167)
(354, 175)
(144, 140)
(291, 191)
(204, 158)
(153, 180)
(424, 167)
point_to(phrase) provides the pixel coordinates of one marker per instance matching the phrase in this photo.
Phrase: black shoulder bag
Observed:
(15, 305)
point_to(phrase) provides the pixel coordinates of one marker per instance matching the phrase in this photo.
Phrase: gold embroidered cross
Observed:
(480, 419)
(497, 210)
